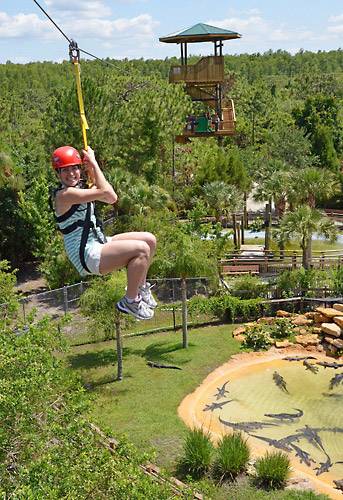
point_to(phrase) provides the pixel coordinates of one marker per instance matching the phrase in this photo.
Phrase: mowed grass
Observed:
(144, 404)
(317, 245)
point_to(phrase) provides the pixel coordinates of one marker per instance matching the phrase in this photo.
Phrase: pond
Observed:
(278, 404)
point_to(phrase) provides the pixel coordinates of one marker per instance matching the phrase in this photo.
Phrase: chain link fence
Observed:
(62, 301)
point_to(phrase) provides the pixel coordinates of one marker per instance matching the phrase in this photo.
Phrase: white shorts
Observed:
(93, 255)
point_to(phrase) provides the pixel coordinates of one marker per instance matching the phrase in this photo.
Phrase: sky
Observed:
(131, 28)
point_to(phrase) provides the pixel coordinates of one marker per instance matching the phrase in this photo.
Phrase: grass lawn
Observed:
(317, 245)
(143, 406)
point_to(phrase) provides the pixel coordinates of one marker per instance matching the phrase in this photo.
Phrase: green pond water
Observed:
(255, 393)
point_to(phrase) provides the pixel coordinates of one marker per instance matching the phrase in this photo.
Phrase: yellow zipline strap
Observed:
(74, 54)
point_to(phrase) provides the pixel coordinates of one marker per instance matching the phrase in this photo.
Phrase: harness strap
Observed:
(84, 237)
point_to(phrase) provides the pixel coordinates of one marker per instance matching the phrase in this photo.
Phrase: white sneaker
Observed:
(145, 292)
(138, 310)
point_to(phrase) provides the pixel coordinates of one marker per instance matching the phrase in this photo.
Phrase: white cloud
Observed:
(254, 29)
(336, 29)
(336, 19)
(140, 26)
(23, 25)
(78, 8)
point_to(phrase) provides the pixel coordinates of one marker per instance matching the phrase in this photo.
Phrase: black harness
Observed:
(86, 223)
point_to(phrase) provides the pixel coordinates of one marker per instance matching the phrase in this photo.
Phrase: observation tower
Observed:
(205, 82)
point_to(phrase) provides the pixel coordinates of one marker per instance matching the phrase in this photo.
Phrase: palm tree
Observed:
(311, 184)
(301, 224)
(222, 198)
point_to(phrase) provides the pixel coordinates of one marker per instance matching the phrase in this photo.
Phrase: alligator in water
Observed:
(286, 416)
(324, 466)
(222, 391)
(298, 358)
(312, 436)
(280, 381)
(216, 406)
(281, 444)
(333, 365)
(338, 484)
(309, 366)
(336, 380)
(303, 455)
(247, 426)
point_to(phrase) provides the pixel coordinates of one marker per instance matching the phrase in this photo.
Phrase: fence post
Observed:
(174, 319)
(65, 299)
(322, 260)
(81, 287)
(294, 261)
(23, 306)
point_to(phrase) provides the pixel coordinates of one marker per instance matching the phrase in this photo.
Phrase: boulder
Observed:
(238, 331)
(339, 321)
(329, 312)
(240, 338)
(301, 321)
(266, 319)
(320, 318)
(283, 314)
(339, 307)
(307, 340)
(331, 329)
(280, 344)
(335, 342)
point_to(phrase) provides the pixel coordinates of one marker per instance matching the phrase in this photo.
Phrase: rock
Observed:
(238, 331)
(299, 483)
(250, 323)
(329, 348)
(330, 312)
(338, 320)
(307, 340)
(283, 314)
(240, 338)
(339, 307)
(320, 318)
(331, 329)
(310, 314)
(266, 319)
(316, 329)
(320, 348)
(280, 344)
(336, 342)
(301, 321)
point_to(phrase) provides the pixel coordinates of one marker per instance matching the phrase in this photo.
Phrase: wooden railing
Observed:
(274, 262)
(207, 70)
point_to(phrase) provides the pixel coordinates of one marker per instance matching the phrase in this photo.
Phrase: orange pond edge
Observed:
(190, 409)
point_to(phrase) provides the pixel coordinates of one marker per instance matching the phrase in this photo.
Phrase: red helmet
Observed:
(65, 156)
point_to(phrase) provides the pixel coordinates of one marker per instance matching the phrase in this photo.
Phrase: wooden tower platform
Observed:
(205, 82)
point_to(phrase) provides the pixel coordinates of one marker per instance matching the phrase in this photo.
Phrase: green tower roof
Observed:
(200, 33)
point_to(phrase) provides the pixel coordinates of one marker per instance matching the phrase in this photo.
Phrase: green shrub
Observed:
(337, 278)
(282, 328)
(248, 287)
(225, 307)
(290, 283)
(232, 456)
(257, 337)
(8, 296)
(197, 453)
(272, 470)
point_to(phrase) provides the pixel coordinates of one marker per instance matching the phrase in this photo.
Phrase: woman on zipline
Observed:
(89, 250)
